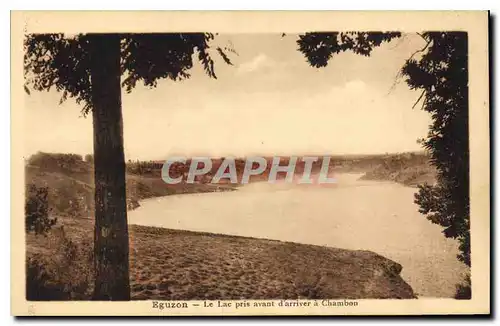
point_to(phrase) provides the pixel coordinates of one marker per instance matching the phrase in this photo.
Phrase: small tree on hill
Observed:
(89, 158)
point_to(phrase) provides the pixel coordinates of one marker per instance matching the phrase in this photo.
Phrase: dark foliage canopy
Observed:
(319, 48)
(442, 75)
(63, 62)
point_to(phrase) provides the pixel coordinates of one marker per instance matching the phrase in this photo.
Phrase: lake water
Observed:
(351, 214)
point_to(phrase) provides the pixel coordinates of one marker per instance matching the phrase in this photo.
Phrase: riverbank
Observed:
(168, 264)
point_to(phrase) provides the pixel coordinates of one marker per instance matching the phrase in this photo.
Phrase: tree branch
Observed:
(419, 98)
(422, 49)
(399, 74)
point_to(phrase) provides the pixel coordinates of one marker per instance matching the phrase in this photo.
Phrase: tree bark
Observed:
(111, 243)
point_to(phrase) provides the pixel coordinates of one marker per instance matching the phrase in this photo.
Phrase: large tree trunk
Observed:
(111, 247)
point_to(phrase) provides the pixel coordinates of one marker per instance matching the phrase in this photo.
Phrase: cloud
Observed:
(355, 85)
(259, 62)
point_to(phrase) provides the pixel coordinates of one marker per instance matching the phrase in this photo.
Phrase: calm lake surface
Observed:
(351, 214)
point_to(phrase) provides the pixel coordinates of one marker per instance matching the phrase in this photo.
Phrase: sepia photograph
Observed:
(251, 169)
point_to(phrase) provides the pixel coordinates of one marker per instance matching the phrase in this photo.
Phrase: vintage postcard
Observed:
(250, 163)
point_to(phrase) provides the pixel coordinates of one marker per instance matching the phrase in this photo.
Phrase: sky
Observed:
(269, 102)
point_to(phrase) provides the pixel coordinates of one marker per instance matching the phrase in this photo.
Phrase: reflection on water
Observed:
(351, 214)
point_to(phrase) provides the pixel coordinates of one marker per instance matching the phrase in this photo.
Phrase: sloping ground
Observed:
(175, 265)
(408, 176)
(408, 169)
(71, 193)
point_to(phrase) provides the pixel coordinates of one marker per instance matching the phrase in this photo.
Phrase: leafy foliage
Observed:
(319, 48)
(442, 76)
(66, 273)
(39, 284)
(63, 62)
(89, 158)
(53, 60)
(464, 290)
(37, 210)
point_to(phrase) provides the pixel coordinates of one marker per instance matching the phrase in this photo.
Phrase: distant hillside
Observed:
(70, 183)
(408, 168)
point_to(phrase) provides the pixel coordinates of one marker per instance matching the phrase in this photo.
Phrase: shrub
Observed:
(89, 158)
(40, 283)
(67, 274)
(464, 290)
(70, 198)
(37, 210)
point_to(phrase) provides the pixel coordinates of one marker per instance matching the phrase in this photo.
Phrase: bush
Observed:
(68, 274)
(464, 290)
(40, 283)
(89, 158)
(71, 198)
(37, 210)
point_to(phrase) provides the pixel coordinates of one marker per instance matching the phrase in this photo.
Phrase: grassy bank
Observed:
(180, 265)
